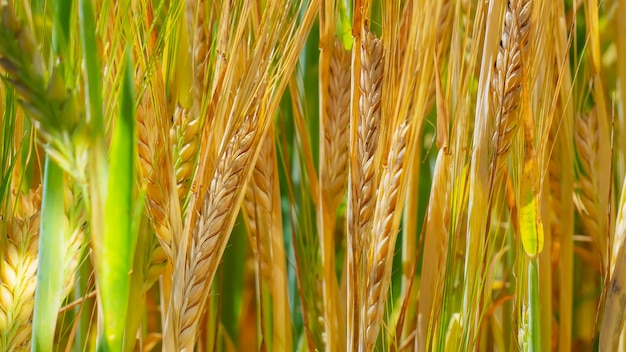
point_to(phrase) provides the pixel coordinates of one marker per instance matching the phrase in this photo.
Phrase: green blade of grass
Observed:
(534, 313)
(61, 27)
(118, 241)
(52, 248)
(93, 86)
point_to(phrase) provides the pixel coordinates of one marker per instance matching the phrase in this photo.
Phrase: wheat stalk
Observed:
(435, 248)
(508, 76)
(18, 272)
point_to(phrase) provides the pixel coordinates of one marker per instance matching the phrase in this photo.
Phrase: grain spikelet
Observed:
(186, 141)
(18, 271)
(506, 85)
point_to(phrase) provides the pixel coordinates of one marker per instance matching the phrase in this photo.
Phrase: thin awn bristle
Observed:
(508, 76)
(18, 271)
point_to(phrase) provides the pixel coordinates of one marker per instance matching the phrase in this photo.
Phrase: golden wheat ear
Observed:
(18, 273)
(156, 168)
(363, 173)
(208, 233)
(587, 200)
(508, 76)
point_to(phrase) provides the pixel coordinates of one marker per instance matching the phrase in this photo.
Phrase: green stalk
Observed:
(52, 254)
(534, 313)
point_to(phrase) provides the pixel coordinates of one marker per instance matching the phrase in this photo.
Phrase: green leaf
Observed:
(52, 254)
(118, 238)
(93, 94)
(61, 27)
(531, 226)
(534, 313)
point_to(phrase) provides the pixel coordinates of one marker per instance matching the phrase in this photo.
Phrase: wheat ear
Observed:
(188, 122)
(363, 175)
(586, 137)
(199, 51)
(18, 272)
(337, 127)
(380, 253)
(76, 217)
(258, 205)
(333, 175)
(53, 109)
(506, 84)
(189, 296)
(155, 168)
